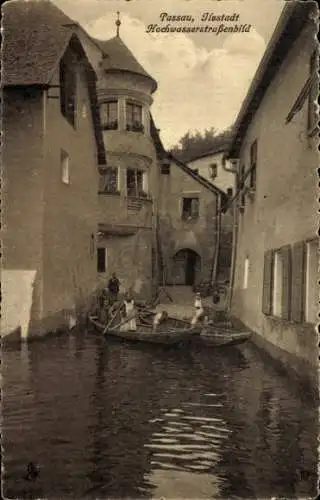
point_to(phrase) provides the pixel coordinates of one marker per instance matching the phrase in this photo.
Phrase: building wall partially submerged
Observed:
(281, 215)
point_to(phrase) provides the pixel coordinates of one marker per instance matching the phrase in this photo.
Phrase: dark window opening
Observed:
(135, 186)
(165, 168)
(68, 90)
(109, 115)
(241, 187)
(109, 180)
(101, 260)
(92, 246)
(134, 117)
(229, 192)
(253, 164)
(213, 170)
(190, 208)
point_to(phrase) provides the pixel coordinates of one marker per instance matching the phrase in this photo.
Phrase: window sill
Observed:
(110, 193)
(189, 219)
(140, 198)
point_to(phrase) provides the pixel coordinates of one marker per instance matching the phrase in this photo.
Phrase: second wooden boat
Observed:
(216, 335)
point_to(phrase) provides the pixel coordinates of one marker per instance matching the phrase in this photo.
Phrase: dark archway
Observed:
(186, 267)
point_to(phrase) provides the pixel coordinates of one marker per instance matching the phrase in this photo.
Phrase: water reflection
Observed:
(111, 420)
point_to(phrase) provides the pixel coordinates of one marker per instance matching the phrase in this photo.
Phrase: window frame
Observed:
(139, 184)
(108, 123)
(103, 174)
(213, 170)
(64, 167)
(190, 215)
(134, 125)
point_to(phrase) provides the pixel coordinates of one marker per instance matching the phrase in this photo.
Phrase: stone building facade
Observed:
(53, 145)
(275, 290)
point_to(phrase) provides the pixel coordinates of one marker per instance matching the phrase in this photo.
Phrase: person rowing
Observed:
(159, 318)
(199, 314)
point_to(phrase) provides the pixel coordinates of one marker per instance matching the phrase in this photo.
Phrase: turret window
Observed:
(109, 115)
(137, 183)
(134, 117)
(109, 181)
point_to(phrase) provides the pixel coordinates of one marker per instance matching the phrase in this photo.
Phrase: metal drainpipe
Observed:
(234, 171)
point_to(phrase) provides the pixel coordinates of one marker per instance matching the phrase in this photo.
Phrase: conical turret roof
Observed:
(119, 57)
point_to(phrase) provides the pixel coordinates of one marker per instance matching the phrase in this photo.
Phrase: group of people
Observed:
(127, 309)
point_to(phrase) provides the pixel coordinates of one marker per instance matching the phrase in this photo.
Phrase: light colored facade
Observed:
(189, 225)
(275, 290)
(51, 156)
(211, 167)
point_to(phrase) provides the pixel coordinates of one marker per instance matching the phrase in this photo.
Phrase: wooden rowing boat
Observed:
(171, 332)
(216, 335)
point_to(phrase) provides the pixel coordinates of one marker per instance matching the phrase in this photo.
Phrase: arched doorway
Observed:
(186, 267)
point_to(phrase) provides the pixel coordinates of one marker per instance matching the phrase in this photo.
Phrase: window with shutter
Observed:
(267, 282)
(286, 282)
(298, 282)
(277, 281)
(312, 279)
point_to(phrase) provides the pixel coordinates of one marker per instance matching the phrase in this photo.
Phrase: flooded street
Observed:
(109, 420)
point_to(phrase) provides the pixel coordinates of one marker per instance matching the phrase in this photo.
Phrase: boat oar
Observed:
(112, 318)
(123, 322)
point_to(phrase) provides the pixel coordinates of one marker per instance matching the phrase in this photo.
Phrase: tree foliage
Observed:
(197, 143)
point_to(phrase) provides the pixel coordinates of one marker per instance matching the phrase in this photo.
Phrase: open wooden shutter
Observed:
(267, 282)
(286, 282)
(298, 282)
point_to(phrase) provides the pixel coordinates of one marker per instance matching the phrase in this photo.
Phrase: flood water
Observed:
(109, 420)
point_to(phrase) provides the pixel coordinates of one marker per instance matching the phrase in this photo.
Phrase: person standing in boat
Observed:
(199, 314)
(159, 318)
(113, 288)
(130, 313)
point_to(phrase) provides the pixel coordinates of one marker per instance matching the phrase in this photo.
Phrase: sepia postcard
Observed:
(159, 249)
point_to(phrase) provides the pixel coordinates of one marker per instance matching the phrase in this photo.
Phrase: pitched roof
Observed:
(120, 58)
(292, 20)
(36, 35)
(197, 177)
(34, 39)
(220, 148)
(162, 154)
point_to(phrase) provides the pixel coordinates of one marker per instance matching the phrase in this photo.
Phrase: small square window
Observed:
(165, 168)
(65, 167)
